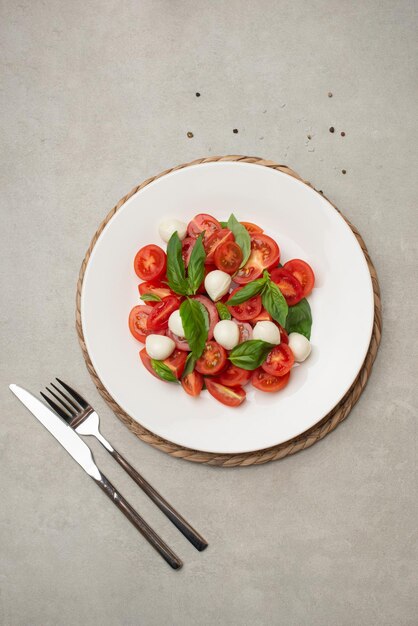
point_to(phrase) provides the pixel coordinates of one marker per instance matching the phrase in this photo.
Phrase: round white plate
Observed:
(305, 226)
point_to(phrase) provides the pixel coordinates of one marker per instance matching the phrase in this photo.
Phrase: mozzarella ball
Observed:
(267, 331)
(159, 347)
(175, 324)
(226, 333)
(170, 226)
(217, 284)
(300, 346)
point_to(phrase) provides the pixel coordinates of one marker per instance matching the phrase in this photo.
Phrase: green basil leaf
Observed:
(224, 314)
(196, 268)
(299, 319)
(224, 224)
(242, 237)
(152, 297)
(250, 354)
(163, 371)
(274, 302)
(195, 319)
(190, 363)
(176, 273)
(248, 291)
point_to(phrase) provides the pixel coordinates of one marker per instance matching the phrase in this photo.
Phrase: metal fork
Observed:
(81, 416)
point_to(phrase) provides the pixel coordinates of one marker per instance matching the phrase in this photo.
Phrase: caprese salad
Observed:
(219, 310)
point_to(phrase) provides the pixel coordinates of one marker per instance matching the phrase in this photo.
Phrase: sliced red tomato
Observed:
(187, 246)
(264, 254)
(213, 313)
(158, 318)
(288, 285)
(192, 383)
(214, 241)
(234, 375)
(228, 257)
(268, 382)
(253, 229)
(213, 359)
(181, 343)
(201, 222)
(155, 288)
(138, 318)
(231, 396)
(303, 273)
(248, 309)
(146, 361)
(279, 361)
(263, 316)
(245, 331)
(284, 337)
(150, 262)
(176, 362)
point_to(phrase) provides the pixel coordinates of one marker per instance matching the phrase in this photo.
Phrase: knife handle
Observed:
(140, 524)
(183, 526)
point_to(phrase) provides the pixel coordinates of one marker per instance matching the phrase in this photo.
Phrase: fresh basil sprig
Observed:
(176, 273)
(224, 224)
(250, 354)
(242, 237)
(190, 363)
(248, 291)
(274, 302)
(299, 319)
(150, 297)
(195, 320)
(223, 312)
(163, 371)
(196, 267)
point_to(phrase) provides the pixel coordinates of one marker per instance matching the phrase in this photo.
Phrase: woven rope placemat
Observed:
(306, 439)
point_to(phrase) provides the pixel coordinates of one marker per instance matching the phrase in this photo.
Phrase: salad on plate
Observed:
(219, 310)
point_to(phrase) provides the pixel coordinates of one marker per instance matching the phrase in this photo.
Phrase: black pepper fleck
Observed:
(342, 134)
(331, 129)
(190, 134)
(235, 130)
(344, 171)
(197, 94)
(329, 94)
(309, 136)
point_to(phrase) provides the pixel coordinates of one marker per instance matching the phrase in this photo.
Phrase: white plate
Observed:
(306, 226)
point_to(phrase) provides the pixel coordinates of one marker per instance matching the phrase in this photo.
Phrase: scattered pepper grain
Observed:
(344, 171)
(190, 134)
(342, 133)
(197, 94)
(329, 94)
(235, 131)
(331, 129)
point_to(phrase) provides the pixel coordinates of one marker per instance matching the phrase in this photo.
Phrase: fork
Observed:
(81, 416)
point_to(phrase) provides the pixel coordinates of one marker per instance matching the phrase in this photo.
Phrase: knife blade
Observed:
(81, 453)
(62, 432)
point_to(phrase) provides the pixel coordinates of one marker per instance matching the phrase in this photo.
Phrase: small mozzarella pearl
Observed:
(300, 346)
(226, 333)
(159, 347)
(217, 284)
(170, 226)
(175, 324)
(267, 331)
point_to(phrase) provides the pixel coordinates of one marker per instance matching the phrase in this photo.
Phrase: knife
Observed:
(81, 453)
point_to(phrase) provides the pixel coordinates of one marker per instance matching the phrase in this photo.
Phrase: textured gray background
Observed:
(96, 96)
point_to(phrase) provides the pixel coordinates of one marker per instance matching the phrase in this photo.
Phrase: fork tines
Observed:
(67, 407)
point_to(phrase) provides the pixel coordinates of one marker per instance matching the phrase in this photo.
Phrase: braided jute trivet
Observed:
(306, 439)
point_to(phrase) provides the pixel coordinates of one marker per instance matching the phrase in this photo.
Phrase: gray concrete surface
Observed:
(96, 96)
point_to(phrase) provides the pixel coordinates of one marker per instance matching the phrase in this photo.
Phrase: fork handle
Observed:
(140, 524)
(184, 527)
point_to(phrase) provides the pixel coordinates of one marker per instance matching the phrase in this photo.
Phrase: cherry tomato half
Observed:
(279, 361)
(228, 257)
(245, 331)
(187, 246)
(201, 222)
(264, 254)
(234, 375)
(288, 285)
(284, 337)
(303, 273)
(146, 362)
(138, 318)
(263, 316)
(267, 382)
(248, 309)
(214, 241)
(176, 362)
(213, 359)
(253, 229)
(150, 262)
(155, 288)
(231, 396)
(192, 383)
(158, 318)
